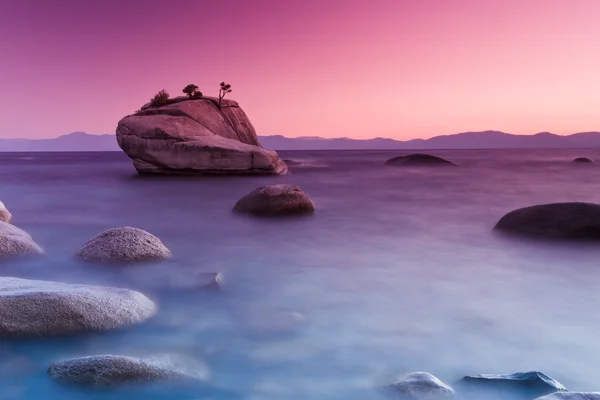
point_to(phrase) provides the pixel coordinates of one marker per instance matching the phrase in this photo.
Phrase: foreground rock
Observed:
(521, 384)
(275, 200)
(5, 215)
(195, 137)
(418, 159)
(571, 396)
(123, 244)
(421, 386)
(109, 370)
(31, 308)
(582, 160)
(556, 220)
(15, 242)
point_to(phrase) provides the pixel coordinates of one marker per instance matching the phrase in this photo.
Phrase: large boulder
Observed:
(571, 396)
(275, 200)
(195, 137)
(110, 370)
(5, 215)
(418, 160)
(582, 160)
(421, 386)
(555, 220)
(526, 385)
(15, 242)
(30, 308)
(123, 244)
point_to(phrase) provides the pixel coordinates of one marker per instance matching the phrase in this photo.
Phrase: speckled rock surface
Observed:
(421, 386)
(275, 200)
(5, 215)
(30, 308)
(109, 370)
(16, 242)
(123, 244)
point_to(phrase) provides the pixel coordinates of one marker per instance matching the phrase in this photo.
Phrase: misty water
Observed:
(399, 270)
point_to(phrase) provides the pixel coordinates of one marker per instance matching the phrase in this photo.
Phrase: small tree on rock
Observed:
(225, 88)
(160, 99)
(192, 91)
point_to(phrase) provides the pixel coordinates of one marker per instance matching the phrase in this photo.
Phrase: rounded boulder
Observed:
(110, 370)
(275, 200)
(421, 386)
(5, 215)
(555, 220)
(582, 160)
(16, 242)
(123, 244)
(30, 308)
(418, 160)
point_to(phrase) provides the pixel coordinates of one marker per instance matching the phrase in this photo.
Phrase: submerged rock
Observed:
(582, 160)
(280, 322)
(209, 281)
(521, 384)
(109, 370)
(418, 159)
(5, 215)
(555, 220)
(571, 396)
(41, 308)
(195, 137)
(275, 200)
(16, 242)
(123, 244)
(421, 386)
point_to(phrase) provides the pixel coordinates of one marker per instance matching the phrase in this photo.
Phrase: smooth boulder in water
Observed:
(31, 308)
(421, 386)
(555, 220)
(417, 160)
(526, 385)
(16, 242)
(110, 370)
(571, 396)
(582, 160)
(275, 200)
(123, 244)
(5, 215)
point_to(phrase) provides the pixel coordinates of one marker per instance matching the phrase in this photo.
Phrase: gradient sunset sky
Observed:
(356, 68)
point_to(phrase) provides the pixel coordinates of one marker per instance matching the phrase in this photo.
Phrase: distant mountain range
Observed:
(80, 141)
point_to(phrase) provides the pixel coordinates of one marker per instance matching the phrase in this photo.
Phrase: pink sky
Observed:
(354, 68)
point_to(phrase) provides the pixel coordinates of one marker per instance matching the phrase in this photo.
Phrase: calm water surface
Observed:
(397, 271)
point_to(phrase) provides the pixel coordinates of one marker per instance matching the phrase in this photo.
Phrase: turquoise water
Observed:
(398, 271)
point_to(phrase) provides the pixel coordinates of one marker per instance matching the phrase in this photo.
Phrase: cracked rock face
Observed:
(195, 137)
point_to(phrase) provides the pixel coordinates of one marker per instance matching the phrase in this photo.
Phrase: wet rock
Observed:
(16, 242)
(421, 386)
(110, 370)
(30, 308)
(209, 281)
(123, 244)
(275, 322)
(275, 200)
(571, 396)
(555, 220)
(582, 160)
(524, 385)
(5, 215)
(418, 160)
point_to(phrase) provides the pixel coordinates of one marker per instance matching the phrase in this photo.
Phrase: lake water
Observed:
(398, 270)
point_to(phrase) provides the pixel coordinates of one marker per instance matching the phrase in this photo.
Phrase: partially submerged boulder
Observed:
(418, 160)
(16, 242)
(111, 370)
(275, 322)
(195, 137)
(556, 220)
(30, 308)
(582, 160)
(526, 385)
(571, 396)
(275, 200)
(123, 244)
(421, 386)
(5, 215)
